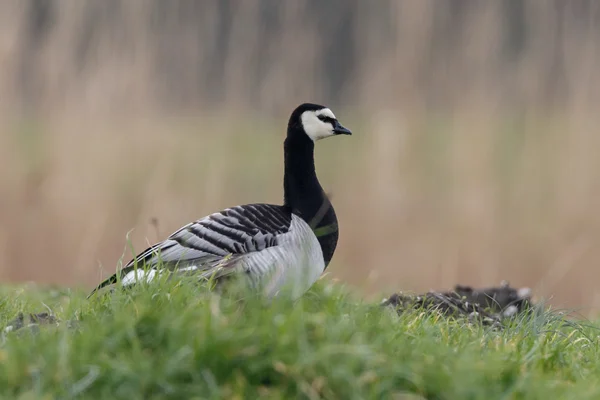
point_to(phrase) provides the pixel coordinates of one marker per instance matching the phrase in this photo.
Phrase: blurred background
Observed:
(474, 157)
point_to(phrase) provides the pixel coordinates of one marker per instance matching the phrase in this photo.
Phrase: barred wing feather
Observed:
(259, 239)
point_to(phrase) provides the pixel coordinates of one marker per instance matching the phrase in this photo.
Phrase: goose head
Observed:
(316, 122)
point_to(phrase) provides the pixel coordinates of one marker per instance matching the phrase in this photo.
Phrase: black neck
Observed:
(303, 193)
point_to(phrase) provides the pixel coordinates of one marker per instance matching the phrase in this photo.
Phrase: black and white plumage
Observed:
(272, 246)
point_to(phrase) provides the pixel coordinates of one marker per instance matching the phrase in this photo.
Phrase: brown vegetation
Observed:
(474, 160)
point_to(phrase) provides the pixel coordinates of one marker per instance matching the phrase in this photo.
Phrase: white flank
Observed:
(294, 264)
(139, 275)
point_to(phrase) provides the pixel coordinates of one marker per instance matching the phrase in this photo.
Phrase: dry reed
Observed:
(474, 159)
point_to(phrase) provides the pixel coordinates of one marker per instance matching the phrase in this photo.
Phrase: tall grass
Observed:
(174, 340)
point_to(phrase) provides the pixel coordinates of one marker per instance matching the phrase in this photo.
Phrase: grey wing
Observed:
(215, 241)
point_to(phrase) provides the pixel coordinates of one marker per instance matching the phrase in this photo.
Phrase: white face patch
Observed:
(314, 127)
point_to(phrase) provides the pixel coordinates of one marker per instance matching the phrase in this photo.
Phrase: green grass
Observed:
(174, 340)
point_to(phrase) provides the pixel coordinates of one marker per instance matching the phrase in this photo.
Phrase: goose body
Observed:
(271, 246)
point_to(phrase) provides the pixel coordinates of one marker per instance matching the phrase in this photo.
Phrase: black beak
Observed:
(338, 129)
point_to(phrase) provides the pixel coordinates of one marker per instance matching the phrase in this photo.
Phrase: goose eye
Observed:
(326, 119)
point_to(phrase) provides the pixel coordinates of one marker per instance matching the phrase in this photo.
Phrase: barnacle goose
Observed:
(272, 246)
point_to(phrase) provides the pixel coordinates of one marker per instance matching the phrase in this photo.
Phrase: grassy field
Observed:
(175, 340)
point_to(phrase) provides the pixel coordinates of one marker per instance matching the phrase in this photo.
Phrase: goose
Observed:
(272, 246)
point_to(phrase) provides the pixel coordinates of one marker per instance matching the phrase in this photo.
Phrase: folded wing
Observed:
(219, 240)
